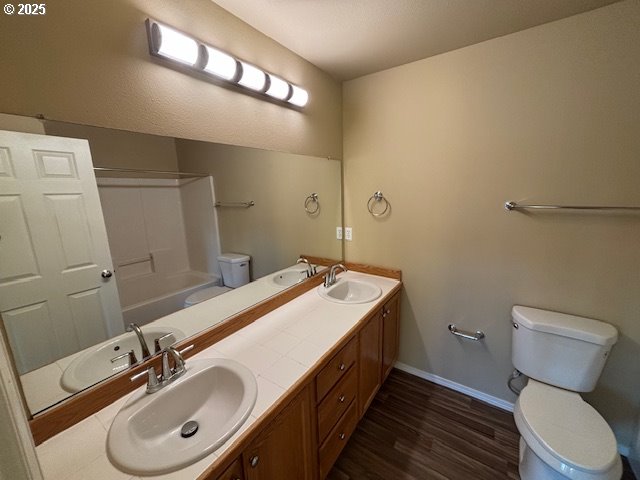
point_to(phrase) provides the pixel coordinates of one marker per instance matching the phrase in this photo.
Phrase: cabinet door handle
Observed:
(341, 367)
(341, 398)
(254, 461)
(341, 436)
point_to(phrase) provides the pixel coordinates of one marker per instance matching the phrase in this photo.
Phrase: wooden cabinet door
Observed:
(233, 472)
(390, 334)
(369, 362)
(286, 449)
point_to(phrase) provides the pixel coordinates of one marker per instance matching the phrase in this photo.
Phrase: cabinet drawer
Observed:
(336, 402)
(337, 439)
(336, 368)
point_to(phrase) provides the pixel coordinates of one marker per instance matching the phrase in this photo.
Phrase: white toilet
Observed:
(562, 436)
(235, 273)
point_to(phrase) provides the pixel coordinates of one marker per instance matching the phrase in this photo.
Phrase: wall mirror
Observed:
(168, 237)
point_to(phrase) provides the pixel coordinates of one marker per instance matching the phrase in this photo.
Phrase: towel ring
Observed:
(309, 202)
(377, 197)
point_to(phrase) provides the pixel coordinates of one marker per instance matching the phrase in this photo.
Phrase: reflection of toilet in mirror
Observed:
(562, 436)
(235, 273)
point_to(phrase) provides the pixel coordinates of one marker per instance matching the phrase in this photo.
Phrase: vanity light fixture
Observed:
(170, 44)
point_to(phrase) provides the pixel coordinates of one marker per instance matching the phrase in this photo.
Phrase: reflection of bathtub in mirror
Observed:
(156, 295)
(42, 387)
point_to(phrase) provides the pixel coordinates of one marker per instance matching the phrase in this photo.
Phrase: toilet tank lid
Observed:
(233, 257)
(572, 326)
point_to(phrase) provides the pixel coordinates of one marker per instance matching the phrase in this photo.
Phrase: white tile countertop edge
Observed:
(279, 348)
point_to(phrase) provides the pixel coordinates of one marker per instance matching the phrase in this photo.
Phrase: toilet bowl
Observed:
(563, 437)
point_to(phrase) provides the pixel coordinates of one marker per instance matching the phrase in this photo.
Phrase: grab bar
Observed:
(514, 206)
(133, 261)
(248, 204)
(479, 335)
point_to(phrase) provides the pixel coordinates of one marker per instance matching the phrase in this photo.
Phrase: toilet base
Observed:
(531, 467)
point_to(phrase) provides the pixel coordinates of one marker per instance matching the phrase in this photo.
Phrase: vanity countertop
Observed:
(279, 348)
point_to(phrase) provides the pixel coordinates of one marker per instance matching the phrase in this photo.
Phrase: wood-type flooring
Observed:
(415, 429)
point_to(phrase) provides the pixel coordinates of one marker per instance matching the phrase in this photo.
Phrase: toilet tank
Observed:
(235, 269)
(559, 349)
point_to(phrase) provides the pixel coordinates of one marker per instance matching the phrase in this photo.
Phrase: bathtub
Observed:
(148, 297)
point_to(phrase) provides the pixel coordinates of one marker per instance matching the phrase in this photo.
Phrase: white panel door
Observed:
(53, 248)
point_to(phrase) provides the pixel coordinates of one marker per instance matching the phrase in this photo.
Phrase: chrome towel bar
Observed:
(248, 204)
(479, 335)
(514, 206)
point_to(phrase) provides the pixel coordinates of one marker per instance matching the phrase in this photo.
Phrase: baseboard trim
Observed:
(477, 394)
(490, 399)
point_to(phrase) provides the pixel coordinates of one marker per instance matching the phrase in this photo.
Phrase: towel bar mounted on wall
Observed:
(248, 204)
(514, 206)
(478, 335)
(312, 204)
(375, 199)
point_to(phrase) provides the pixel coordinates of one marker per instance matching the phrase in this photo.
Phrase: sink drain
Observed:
(189, 429)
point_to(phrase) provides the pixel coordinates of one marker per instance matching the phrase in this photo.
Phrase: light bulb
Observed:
(252, 77)
(221, 64)
(175, 45)
(299, 96)
(278, 88)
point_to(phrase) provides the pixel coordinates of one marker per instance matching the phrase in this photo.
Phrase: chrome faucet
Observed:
(330, 278)
(143, 344)
(311, 269)
(168, 375)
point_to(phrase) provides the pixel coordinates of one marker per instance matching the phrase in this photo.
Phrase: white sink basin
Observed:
(289, 277)
(95, 363)
(350, 291)
(145, 437)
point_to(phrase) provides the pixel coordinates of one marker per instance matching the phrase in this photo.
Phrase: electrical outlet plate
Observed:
(339, 233)
(348, 234)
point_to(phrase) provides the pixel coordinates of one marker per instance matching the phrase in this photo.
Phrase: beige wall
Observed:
(277, 229)
(121, 149)
(547, 115)
(88, 62)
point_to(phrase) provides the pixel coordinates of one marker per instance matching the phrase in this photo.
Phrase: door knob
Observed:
(106, 274)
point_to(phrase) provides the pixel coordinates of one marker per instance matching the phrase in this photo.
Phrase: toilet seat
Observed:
(204, 294)
(567, 433)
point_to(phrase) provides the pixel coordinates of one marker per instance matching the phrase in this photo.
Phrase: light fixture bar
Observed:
(171, 44)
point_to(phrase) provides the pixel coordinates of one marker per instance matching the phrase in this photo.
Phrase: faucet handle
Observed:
(153, 385)
(131, 355)
(156, 342)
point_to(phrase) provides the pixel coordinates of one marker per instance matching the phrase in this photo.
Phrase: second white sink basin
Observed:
(95, 363)
(147, 437)
(289, 277)
(350, 291)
